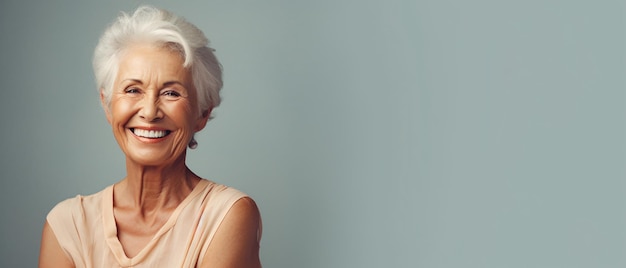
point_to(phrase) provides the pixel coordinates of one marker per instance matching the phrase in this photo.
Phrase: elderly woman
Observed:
(158, 82)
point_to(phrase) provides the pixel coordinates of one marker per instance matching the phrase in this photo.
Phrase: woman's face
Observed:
(153, 108)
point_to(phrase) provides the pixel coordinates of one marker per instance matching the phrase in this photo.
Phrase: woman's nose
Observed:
(150, 110)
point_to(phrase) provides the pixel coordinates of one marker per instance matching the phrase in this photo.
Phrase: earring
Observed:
(193, 144)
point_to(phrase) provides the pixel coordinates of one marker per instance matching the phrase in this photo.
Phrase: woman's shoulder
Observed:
(78, 207)
(220, 200)
(73, 221)
(216, 190)
(238, 225)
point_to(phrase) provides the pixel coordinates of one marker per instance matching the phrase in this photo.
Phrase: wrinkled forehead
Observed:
(147, 61)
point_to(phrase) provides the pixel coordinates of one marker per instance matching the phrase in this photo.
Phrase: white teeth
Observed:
(150, 133)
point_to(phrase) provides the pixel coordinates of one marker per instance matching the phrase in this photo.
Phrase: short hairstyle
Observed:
(161, 28)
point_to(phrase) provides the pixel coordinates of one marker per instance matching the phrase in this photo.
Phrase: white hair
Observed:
(160, 27)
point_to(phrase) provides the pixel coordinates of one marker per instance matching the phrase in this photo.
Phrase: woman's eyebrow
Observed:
(134, 80)
(165, 84)
(174, 82)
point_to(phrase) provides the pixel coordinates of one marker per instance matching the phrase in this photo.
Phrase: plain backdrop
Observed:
(371, 133)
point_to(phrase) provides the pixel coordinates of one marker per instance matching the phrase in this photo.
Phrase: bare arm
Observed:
(236, 244)
(51, 255)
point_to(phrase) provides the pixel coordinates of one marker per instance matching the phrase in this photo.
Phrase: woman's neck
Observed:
(150, 188)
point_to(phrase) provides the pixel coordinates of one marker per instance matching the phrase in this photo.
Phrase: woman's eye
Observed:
(131, 90)
(171, 93)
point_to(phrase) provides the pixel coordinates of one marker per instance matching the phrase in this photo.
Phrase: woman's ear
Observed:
(202, 120)
(105, 106)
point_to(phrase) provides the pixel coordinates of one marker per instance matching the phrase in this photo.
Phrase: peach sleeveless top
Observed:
(86, 230)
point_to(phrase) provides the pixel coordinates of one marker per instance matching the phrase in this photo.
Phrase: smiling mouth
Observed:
(150, 134)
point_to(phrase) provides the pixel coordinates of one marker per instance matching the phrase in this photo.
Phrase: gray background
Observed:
(371, 133)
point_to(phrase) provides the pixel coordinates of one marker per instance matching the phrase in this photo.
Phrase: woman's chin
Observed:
(152, 157)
